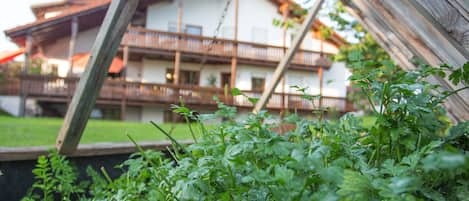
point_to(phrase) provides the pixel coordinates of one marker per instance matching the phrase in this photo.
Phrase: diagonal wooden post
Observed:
(103, 51)
(282, 66)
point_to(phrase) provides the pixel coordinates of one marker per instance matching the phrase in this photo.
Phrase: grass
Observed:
(16, 132)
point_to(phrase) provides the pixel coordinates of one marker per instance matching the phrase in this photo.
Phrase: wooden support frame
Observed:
(282, 66)
(125, 57)
(407, 31)
(234, 58)
(25, 70)
(103, 51)
(177, 55)
(71, 47)
(284, 8)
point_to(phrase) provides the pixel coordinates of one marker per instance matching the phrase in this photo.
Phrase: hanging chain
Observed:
(215, 34)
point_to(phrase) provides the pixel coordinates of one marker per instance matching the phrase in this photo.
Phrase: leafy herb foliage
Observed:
(411, 153)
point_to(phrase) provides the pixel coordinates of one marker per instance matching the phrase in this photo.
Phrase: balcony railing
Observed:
(137, 93)
(153, 39)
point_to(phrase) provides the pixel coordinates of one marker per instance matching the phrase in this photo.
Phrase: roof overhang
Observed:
(49, 29)
(54, 27)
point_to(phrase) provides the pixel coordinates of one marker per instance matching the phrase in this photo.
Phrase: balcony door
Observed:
(225, 79)
(186, 77)
(193, 30)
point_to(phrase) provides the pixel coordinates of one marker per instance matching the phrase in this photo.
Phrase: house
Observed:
(177, 50)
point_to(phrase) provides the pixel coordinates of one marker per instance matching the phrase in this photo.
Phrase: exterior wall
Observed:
(134, 71)
(10, 104)
(334, 80)
(255, 21)
(133, 114)
(293, 77)
(151, 114)
(255, 25)
(337, 75)
(155, 71)
(302, 79)
(57, 51)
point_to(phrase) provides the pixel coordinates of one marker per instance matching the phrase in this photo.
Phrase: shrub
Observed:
(411, 153)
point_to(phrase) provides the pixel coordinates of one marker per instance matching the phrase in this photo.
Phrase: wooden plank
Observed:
(71, 46)
(103, 51)
(25, 71)
(125, 56)
(98, 149)
(234, 58)
(177, 56)
(406, 31)
(285, 61)
(452, 16)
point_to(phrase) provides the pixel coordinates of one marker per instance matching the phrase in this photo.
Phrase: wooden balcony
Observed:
(215, 49)
(115, 92)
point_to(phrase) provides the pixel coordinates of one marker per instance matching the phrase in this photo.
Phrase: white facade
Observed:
(57, 51)
(255, 25)
(255, 21)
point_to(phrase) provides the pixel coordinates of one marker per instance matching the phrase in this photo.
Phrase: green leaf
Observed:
(236, 92)
(253, 100)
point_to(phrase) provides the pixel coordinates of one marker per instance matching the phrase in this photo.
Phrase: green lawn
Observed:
(16, 132)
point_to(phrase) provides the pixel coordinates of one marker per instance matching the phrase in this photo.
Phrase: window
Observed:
(186, 77)
(257, 84)
(193, 30)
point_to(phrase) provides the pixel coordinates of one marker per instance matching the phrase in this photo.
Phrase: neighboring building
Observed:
(146, 79)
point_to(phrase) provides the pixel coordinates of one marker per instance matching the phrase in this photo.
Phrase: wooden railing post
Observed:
(27, 65)
(71, 48)
(123, 99)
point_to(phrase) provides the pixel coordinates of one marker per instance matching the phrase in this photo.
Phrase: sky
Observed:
(12, 14)
(18, 12)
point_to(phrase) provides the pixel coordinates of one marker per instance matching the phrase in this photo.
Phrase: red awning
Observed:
(80, 60)
(6, 56)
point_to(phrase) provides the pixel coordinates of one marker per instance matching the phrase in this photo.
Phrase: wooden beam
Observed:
(407, 31)
(27, 53)
(177, 55)
(321, 77)
(98, 149)
(282, 66)
(234, 58)
(125, 55)
(25, 70)
(125, 62)
(103, 51)
(71, 47)
(285, 11)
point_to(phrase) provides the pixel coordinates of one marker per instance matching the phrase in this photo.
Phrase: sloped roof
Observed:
(71, 8)
(66, 13)
(40, 9)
